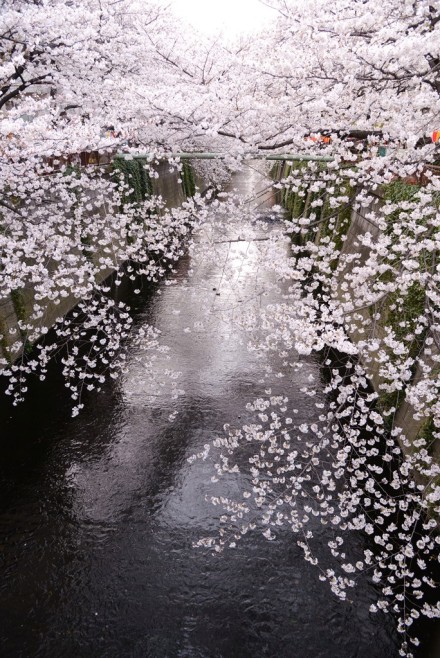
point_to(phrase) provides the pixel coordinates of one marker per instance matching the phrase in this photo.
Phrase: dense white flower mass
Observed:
(352, 88)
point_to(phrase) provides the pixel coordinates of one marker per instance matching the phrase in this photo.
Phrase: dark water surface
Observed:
(98, 513)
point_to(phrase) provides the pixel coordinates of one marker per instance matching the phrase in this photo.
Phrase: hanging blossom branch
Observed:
(86, 228)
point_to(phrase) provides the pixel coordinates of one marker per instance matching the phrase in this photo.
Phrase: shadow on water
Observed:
(99, 513)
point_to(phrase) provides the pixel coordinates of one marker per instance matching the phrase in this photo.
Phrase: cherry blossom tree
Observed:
(80, 81)
(352, 89)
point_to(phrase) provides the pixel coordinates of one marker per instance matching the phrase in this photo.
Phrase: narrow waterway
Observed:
(98, 514)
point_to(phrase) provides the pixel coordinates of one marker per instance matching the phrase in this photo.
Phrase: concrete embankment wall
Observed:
(20, 304)
(412, 426)
(351, 224)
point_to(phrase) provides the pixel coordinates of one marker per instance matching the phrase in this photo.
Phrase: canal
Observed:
(99, 513)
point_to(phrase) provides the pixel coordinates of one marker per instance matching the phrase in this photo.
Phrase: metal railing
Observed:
(290, 157)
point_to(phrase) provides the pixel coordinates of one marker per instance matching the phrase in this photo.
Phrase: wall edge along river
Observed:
(18, 307)
(351, 224)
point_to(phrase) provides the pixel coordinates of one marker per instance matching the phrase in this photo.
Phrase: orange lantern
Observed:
(436, 136)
